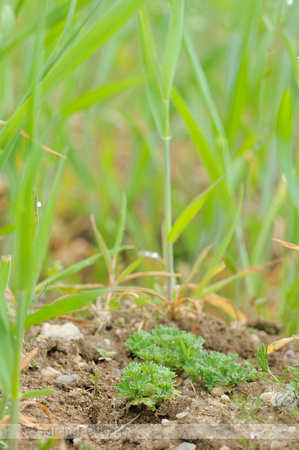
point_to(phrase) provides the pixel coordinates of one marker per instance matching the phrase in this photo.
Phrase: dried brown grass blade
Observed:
(280, 343)
(153, 273)
(44, 147)
(45, 409)
(286, 244)
(27, 359)
(77, 320)
(225, 305)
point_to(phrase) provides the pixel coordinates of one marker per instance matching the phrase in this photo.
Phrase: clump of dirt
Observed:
(233, 419)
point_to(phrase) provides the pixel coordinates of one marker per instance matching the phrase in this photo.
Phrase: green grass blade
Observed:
(43, 234)
(173, 46)
(38, 393)
(63, 306)
(209, 275)
(227, 238)
(293, 55)
(130, 269)
(101, 244)
(199, 260)
(205, 152)
(8, 229)
(285, 146)
(120, 228)
(6, 359)
(88, 99)
(70, 16)
(6, 338)
(189, 212)
(75, 268)
(222, 149)
(238, 100)
(103, 30)
(151, 73)
(4, 278)
(109, 24)
(262, 241)
(215, 287)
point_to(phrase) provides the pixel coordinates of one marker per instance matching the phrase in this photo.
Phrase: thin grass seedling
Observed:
(95, 378)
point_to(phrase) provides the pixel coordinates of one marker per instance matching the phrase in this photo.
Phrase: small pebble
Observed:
(182, 415)
(165, 422)
(178, 381)
(70, 380)
(77, 359)
(161, 444)
(49, 372)
(82, 364)
(287, 399)
(225, 398)
(224, 447)
(217, 391)
(186, 446)
(77, 442)
(266, 396)
(66, 331)
(117, 373)
(107, 342)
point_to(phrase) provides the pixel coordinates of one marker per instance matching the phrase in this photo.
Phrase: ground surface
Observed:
(102, 422)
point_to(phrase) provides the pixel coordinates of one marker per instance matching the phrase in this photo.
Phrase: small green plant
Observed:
(85, 447)
(217, 369)
(289, 379)
(146, 384)
(106, 356)
(167, 346)
(95, 378)
(45, 445)
(181, 350)
(248, 408)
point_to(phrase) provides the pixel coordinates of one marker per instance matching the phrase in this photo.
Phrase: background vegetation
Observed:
(72, 77)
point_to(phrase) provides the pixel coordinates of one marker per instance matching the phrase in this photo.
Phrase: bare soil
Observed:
(103, 421)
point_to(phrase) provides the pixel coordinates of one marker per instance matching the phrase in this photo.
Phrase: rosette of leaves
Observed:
(167, 346)
(146, 383)
(217, 369)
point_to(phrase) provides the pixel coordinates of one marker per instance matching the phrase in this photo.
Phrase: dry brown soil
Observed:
(103, 422)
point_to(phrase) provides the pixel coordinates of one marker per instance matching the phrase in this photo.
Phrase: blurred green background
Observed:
(237, 91)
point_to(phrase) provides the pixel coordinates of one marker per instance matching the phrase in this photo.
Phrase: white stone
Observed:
(182, 415)
(224, 447)
(217, 391)
(266, 396)
(49, 372)
(225, 398)
(66, 331)
(165, 422)
(286, 398)
(186, 446)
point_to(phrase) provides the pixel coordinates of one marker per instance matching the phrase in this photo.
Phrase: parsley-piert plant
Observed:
(146, 383)
(217, 369)
(167, 346)
(181, 350)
